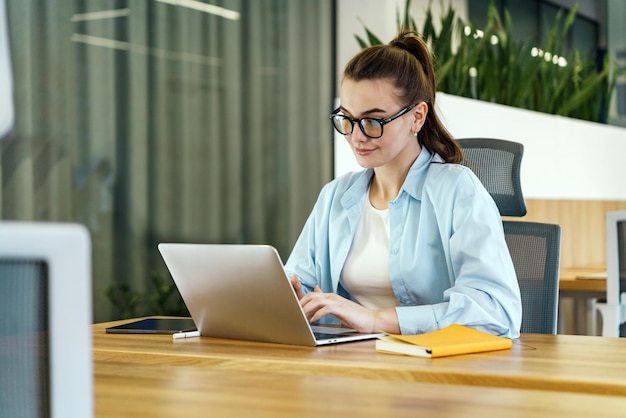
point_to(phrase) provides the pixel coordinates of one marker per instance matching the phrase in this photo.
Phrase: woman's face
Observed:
(376, 99)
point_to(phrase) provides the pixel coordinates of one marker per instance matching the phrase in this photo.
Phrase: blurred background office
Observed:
(199, 121)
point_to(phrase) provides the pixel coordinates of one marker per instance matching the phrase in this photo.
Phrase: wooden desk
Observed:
(135, 390)
(543, 375)
(569, 283)
(579, 292)
(565, 363)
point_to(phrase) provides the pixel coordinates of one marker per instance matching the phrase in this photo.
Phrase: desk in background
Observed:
(578, 292)
(571, 280)
(556, 375)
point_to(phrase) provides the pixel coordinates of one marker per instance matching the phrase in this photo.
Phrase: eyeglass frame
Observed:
(382, 122)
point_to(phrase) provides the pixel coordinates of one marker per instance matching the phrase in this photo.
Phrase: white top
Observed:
(366, 272)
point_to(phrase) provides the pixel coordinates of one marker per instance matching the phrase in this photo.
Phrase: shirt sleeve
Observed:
(301, 261)
(484, 291)
(308, 259)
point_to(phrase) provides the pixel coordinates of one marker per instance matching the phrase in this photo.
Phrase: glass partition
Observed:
(161, 120)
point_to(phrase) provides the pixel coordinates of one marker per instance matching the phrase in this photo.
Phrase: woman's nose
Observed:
(357, 134)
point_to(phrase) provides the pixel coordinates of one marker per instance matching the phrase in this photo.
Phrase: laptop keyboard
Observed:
(322, 332)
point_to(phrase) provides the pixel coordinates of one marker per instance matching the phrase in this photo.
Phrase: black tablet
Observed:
(154, 326)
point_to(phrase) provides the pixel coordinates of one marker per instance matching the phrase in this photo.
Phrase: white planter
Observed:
(564, 158)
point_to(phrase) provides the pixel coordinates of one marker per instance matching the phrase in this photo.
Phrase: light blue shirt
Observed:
(448, 260)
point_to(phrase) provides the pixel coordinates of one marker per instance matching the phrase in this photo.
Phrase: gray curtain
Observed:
(163, 123)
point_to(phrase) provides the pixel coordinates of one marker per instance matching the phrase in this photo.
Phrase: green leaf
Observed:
(373, 39)
(361, 42)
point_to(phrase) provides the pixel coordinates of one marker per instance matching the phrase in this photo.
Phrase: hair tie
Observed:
(401, 45)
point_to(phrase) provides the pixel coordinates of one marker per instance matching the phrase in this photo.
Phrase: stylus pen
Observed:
(190, 334)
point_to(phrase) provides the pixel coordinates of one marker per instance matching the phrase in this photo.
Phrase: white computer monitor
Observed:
(615, 255)
(7, 112)
(613, 310)
(45, 320)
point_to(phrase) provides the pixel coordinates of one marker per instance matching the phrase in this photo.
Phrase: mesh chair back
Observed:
(497, 163)
(535, 249)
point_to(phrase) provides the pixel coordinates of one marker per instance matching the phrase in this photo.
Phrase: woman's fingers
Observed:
(297, 286)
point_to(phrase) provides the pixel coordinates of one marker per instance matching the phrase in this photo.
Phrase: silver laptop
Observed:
(242, 292)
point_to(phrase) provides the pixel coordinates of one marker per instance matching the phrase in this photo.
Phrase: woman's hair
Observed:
(406, 62)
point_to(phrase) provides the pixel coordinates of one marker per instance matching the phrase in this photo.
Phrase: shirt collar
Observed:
(413, 184)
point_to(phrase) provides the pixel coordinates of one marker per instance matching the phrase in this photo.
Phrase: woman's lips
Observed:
(363, 151)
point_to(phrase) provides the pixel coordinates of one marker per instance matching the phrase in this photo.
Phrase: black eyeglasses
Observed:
(372, 128)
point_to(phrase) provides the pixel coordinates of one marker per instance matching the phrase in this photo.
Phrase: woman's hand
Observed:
(317, 304)
(297, 286)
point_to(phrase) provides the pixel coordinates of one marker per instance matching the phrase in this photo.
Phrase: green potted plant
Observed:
(489, 64)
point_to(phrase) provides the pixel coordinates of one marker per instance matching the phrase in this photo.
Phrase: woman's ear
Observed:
(419, 112)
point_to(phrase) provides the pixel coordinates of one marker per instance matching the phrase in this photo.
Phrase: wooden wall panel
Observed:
(583, 227)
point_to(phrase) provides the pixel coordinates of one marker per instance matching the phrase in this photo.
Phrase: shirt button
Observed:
(394, 251)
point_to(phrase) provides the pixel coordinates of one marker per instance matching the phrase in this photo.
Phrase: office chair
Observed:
(497, 164)
(535, 247)
(613, 309)
(535, 250)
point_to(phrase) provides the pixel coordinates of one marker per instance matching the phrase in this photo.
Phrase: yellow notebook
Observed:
(450, 341)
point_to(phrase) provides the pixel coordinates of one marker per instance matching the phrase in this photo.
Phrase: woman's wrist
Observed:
(386, 320)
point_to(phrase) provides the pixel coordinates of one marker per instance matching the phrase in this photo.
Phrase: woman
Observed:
(414, 242)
